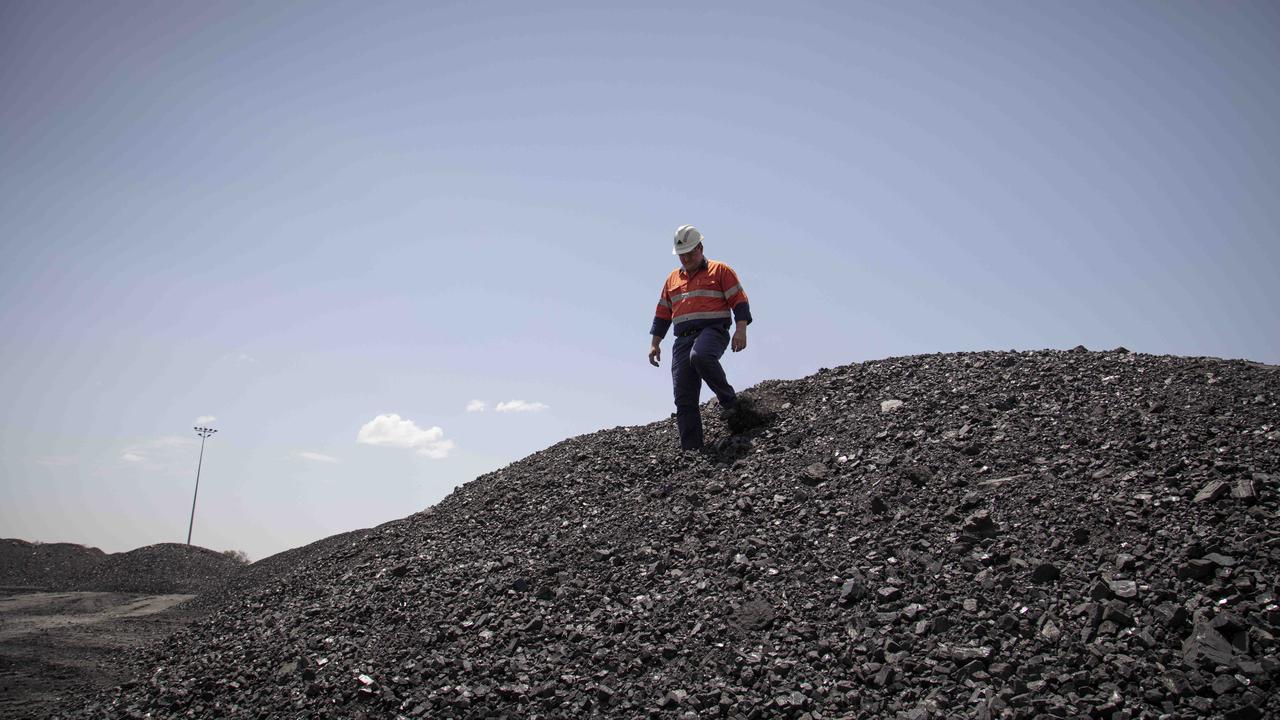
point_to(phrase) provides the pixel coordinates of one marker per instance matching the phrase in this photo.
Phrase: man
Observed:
(699, 298)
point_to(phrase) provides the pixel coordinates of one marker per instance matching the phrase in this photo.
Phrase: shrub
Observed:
(238, 555)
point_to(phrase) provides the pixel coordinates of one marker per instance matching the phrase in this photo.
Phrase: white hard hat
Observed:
(687, 238)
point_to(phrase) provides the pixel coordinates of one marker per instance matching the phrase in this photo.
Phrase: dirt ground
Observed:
(56, 646)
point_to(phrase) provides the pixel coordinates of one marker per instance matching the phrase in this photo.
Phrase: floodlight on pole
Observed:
(204, 433)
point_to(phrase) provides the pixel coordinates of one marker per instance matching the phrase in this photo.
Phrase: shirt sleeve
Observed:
(662, 315)
(735, 296)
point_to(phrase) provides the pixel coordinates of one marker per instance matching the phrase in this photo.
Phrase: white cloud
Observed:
(245, 358)
(205, 419)
(132, 457)
(318, 457)
(392, 431)
(476, 406)
(519, 406)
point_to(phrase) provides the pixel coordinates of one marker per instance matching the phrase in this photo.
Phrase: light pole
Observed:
(203, 432)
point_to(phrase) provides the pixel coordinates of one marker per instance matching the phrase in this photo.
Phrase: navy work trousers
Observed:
(695, 359)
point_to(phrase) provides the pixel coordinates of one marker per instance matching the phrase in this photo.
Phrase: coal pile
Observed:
(162, 568)
(989, 535)
(44, 565)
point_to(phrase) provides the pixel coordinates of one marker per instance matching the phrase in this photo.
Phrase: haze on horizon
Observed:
(387, 249)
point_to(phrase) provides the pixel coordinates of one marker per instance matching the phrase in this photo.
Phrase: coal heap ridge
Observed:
(1008, 535)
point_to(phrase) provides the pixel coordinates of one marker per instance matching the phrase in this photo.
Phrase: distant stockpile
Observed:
(987, 535)
(42, 565)
(162, 568)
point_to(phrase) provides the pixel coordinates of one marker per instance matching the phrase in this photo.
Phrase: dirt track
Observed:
(62, 645)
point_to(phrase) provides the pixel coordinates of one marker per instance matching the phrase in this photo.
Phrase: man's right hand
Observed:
(655, 355)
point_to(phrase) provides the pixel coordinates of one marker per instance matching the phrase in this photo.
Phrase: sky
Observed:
(384, 248)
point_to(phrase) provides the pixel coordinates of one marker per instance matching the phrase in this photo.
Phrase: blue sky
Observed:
(302, 219)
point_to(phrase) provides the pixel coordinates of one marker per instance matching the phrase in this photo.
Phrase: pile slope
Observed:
(1034, 534)
(259, 574)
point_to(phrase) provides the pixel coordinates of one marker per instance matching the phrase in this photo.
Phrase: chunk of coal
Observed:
(814, 474)
(1212, 491)
(888, 593)
(1206, 644)
(1244, 490)
(755, 615)
(852, 590)
(1045, 572)
(1123, 589)
(980, 524)
(878, 506)
(888, 406)
(1197, 569)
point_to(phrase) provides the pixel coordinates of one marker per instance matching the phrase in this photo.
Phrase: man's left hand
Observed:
(739, 341)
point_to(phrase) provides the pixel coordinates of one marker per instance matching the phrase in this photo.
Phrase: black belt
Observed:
(687, 333)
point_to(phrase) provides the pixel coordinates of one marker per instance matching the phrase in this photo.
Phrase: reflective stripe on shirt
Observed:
(698, 293)
(725, 314)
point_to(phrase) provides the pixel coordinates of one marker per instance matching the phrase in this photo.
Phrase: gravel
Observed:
(1019, 535)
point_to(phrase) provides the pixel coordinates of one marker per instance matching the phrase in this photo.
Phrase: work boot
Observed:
(739, 405)
(727, 410)
(743, 415)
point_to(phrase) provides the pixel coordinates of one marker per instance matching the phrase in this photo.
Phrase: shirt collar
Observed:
(700, 268)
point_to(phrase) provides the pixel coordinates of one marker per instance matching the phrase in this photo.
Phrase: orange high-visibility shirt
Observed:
(710, 295)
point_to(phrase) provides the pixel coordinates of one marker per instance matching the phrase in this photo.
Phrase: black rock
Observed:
(888, 594)
(1213, 491)
(1206, 644)
(755, 615)
(1100, 589)
(1201, 570)
(814, 474)
(852, 590)
(1244, 490)
(1045, 573)
(917, 476)
(1123, 589)
(980, 524)
(1244, 712)
(1117, 613)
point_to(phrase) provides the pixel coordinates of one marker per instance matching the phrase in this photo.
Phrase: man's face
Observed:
(691, 259)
